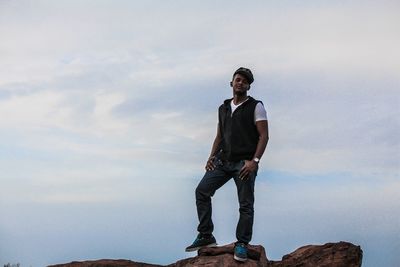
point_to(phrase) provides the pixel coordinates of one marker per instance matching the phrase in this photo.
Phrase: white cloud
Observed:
(77, 76)
(29, 110)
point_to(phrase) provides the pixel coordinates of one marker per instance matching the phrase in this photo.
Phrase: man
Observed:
(241, 139)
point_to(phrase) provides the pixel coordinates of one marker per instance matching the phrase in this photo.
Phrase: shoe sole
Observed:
(239, 259)
(197, 248)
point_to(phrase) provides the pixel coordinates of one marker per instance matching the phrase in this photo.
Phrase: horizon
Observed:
(108, 111)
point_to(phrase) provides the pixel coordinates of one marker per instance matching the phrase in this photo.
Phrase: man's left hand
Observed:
(249, 166)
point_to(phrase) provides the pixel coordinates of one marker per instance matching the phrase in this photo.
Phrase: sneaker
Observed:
(202, 242)
(240, 252)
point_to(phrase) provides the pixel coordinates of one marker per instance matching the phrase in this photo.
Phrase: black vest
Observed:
(238, 130)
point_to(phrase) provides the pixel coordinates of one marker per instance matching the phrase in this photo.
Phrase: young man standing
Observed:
(241, 139)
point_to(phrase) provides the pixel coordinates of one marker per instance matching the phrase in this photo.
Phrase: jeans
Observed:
(212, 180)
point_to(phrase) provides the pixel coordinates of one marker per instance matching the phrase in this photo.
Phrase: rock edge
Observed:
(340, 254)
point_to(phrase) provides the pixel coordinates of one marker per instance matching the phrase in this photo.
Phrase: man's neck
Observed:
(237, 99)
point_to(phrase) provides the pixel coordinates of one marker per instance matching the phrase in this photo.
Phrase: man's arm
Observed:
(251, 165)
(217, 141)
(262, 128)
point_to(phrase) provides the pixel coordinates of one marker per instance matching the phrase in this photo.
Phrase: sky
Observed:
(108, 110)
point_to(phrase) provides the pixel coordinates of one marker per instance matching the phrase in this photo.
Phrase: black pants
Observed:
(213, 180)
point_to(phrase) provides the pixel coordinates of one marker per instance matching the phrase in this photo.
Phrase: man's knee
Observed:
(246, 207)
(202, 191)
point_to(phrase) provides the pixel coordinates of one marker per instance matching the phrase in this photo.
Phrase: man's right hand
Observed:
(210, 164)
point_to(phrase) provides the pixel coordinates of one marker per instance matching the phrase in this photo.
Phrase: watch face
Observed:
(257, 160)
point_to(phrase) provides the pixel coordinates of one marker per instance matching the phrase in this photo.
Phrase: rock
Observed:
(341, 254)
(106, 263)
(223, 256)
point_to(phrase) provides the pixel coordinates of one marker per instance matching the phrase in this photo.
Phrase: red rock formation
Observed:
(106, 263)
(223, 256)
(341, 254)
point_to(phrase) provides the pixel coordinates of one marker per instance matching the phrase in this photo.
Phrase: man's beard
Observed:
(240, 93)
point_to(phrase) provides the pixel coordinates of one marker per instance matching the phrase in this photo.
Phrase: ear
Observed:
(231, 83)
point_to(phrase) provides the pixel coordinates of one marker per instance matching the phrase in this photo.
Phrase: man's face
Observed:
(240, 84)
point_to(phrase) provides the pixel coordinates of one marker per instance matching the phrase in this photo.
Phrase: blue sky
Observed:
(108, 110)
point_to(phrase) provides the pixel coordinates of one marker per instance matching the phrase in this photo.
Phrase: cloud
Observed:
(322, 121)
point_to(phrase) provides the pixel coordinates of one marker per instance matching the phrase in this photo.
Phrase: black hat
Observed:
(246, 73)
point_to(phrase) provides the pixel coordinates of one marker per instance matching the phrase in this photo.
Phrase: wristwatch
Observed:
(257, 160)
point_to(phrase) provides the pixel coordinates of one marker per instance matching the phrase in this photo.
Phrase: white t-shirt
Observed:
(260, 114)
